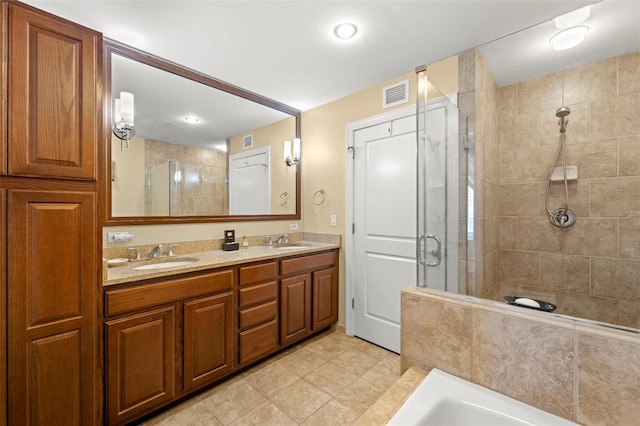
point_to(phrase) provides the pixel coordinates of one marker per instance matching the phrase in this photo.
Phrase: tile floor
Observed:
(331, 379)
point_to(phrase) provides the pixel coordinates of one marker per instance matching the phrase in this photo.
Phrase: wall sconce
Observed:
(292, 157)
(123, 127)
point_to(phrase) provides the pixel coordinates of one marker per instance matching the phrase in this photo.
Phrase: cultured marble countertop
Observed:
(208, 260)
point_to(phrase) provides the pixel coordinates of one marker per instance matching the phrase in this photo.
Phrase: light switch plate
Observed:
(334, 220)
(293, 227)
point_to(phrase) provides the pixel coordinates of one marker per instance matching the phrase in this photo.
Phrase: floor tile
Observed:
(234, 401)
(359, 396)
(302, 362)
(331, 378)
(327, 349)
(300, 400)
(271, 379)
(332, 413)
(264, 415)
(355, 361)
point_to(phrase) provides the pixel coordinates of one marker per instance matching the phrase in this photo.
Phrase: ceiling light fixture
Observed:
(573, 18)
(571, 37)
(191, 119)
(345, 31)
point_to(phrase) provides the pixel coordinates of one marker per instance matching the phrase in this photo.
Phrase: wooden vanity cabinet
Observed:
(166, 338)
(308, 295)
(257, 311)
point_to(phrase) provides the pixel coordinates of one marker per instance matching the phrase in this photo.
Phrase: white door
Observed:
(384, 212)
(249, 182)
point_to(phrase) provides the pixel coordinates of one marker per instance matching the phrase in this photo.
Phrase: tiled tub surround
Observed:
(591, 269)
(584, 372)
(211, 255)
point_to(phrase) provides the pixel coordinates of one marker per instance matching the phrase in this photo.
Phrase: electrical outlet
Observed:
(293, 227)
(119, 237)
(334, 220)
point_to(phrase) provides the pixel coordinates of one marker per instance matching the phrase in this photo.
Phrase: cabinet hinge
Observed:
(353, 228)
(353, 303)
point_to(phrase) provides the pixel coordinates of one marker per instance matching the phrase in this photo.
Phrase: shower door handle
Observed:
(420, 250)
(437, 252)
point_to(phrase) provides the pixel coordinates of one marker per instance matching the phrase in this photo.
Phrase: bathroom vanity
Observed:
(170, 333)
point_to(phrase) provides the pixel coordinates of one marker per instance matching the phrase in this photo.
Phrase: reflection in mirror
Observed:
(198, 151)
(515, 88)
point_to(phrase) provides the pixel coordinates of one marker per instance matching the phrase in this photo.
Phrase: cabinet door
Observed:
(51, 283)
(325, 298)
(295, 308)
(3, 311)
(140, 364)
(208, 339)
(53, 76)
(3, 100)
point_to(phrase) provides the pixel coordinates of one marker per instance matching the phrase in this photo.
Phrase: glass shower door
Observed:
(441, 151)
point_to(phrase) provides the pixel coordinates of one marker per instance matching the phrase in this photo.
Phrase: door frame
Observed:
(351, 128)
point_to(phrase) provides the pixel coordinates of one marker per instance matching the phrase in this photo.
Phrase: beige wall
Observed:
(592, 269)
(128, 188)
(583, 372)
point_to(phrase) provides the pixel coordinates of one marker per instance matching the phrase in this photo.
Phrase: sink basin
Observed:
(166, 264)
(293, 247)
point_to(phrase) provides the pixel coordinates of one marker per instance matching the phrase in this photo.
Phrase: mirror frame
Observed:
(114, 48)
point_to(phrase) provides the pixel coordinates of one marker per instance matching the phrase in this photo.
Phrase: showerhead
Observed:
(563, 112)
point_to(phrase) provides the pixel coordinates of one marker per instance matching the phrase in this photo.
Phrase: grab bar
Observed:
(437, 252)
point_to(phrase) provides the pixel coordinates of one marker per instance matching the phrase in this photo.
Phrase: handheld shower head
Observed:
(561, 113)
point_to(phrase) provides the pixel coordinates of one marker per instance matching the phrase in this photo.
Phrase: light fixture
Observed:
(573, 18)
(123, 126)
(192, 119)
(345, 31)
(292, 156)
(571, 37)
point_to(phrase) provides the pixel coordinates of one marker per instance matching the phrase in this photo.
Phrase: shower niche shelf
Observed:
(558, 174)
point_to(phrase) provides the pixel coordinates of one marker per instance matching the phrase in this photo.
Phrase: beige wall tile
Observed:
(507, 233)
(608, 376)
(437, 334)
(509, 166)
(540, 93)
(490, 235)
(519, 131)
(525, 359)
(565, 272)
(592, 237)
(617, 278)
(594, 159)
(629, 238)
(521, 199)
(616, 116)
(538, 234)
(490, 274)
(467, 70)
(492, 158)
(578, 197)
(629, 73)
(519, 267)
(603, 118)
(615, 197)
(535, 164)
(590, 82)
(590, 307)
(629, 313)
(507, 101)
(627, 113)
(490, 198)
(629, 162)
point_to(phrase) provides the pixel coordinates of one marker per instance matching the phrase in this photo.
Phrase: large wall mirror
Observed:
(591, 269)
(202, 150)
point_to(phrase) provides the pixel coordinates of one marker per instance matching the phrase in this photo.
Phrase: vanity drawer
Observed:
(257, 273)
(171, 290)
(257, 342)
(258, 315)
(307, 263)
(258, 294)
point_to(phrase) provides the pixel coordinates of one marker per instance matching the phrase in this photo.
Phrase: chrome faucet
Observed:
(155, 252)
(268, 240)
(137, 252)
(170, 249)
(284, 238)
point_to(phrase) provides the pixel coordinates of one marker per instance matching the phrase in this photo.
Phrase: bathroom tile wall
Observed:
(584, 372)
(591, 269)
(479, 99)
(201, 191)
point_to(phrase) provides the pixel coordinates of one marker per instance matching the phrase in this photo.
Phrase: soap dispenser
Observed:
(245, 243)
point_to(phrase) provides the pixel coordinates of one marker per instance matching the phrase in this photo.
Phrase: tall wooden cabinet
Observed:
(50, 122)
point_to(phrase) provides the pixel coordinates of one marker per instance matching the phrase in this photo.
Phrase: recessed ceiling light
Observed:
(345, 31)
(571, 37)
(191, 119)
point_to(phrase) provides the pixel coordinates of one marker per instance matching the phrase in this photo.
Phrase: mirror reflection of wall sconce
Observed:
(123, 119)
(292, 156)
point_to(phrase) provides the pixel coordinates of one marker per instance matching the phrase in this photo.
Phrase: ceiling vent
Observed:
(395, 94)
(247, 141)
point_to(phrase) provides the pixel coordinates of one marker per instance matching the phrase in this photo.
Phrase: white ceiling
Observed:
(285, 50)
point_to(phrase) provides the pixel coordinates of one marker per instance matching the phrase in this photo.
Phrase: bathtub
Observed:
(443, 399)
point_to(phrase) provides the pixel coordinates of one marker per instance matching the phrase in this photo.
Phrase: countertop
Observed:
(208, 260)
